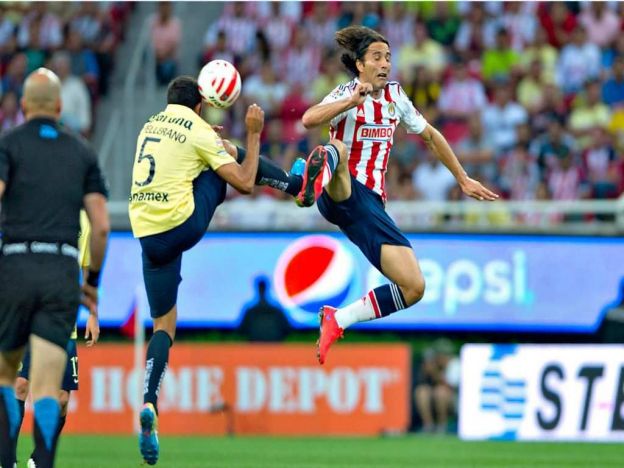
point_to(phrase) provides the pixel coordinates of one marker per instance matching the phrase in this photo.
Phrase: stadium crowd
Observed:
(530, 94)
(77, 40)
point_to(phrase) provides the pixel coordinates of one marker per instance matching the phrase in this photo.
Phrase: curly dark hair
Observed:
(355, 41)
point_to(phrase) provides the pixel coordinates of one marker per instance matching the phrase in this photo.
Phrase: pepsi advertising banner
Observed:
(542, 392)
(474, 282)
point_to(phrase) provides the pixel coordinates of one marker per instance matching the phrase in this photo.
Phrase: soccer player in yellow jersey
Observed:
(181, 170)
(92, 333)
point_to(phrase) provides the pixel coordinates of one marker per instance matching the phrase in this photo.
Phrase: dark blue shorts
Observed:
(364, 220)
(162, 253)
(70, 379)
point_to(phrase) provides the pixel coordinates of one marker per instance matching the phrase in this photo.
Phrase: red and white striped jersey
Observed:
(368, 130)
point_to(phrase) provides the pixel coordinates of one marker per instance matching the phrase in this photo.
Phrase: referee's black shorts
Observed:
(39, 295)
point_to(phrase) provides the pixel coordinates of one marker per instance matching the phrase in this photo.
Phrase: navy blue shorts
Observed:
(364, 220)
(162, 253)
(70, 378)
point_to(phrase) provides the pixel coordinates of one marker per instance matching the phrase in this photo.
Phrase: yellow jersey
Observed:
(173, 148)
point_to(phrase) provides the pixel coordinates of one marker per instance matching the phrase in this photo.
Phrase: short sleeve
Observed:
(211, 150)
(340, 92)
(412, 120)
(94, 180)
(4, 161)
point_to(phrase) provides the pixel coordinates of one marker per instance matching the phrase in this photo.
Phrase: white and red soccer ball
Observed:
(219, 83)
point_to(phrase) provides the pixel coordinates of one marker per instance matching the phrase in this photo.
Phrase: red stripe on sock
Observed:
(373, 301)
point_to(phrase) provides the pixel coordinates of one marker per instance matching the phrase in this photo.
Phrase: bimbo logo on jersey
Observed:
(314, 271)
(375, 132)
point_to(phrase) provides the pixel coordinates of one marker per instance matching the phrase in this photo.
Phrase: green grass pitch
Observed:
(283, 452)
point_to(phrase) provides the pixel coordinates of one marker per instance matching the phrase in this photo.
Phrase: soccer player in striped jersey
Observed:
(347, 177)
(92, 333)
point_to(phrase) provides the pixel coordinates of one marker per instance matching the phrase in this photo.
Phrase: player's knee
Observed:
(21, 388)
(342, 149)
(414, 290)
(63, 402)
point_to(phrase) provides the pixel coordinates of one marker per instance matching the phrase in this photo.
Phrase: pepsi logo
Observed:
(312, 272)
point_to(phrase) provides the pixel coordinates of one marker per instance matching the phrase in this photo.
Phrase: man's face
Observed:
(375, 66)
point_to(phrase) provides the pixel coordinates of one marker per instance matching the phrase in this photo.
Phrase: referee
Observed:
(46, 176)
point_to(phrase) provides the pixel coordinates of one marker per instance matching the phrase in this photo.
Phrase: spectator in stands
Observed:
(10, 113)
(277, 28)
(589, 113)
(217, 51)
(7, 26)
(558, 22)
(551, 146)
(542, 51)
(50, 29)
(565, 181)
(239, 29)
(166, 31)
(321, 25)
(83, 61)
(601, 166)
(15, 75)
(613, 88)
(520, 175)
(263, 321)
(276, 148)
(76, 110)
(437, 385)
(397, 25)
(424, 92)
(519, 20)
(475, 34)
(610, 53)
(476, 152)
(301, 61)
(265, 90)
(600, 22)
(462, 97)
(422, 50)
(405, 151)
(331, 76)
(443, 25)
(499, 62)
(579, 61)
(501, 117)
(34, 50)
(532, 88)
(432, 181)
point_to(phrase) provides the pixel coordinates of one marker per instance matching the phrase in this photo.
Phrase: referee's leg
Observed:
(9, 410)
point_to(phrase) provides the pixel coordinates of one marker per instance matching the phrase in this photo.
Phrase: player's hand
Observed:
(90, 298)
(92, 330)
(361, 91)
(474, 189)
(217, 128)
(254, 120)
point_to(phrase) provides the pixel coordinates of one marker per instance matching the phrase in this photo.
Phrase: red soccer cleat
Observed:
(329, 332)
(312, 177)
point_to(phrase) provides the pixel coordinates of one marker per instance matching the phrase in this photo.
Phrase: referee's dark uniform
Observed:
(47, 172)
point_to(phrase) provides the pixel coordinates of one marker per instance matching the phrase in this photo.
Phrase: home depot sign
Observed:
(253, 389)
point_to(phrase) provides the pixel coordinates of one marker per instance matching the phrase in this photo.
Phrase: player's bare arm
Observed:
(437, 144)
(2, 187)
(95, 206)
(242, 176)
(322, 113)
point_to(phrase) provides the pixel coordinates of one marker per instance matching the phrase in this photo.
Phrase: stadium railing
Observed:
(596, 217)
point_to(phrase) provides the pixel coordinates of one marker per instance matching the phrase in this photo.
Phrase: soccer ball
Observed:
(219, 83)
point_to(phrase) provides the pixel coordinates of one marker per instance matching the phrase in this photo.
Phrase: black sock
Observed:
(274, 176)
(21, 405)
(155, 366)
(9, 415)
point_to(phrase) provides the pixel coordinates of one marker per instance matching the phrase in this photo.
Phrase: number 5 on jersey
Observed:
(150, 158)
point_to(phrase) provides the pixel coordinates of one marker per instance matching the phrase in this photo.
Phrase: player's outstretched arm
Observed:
(438, 145)
(322, 113)
(243, 176)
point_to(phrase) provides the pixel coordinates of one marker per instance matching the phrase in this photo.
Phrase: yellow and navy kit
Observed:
(173, 148)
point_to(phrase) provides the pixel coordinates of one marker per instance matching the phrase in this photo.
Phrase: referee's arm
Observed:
(97, 212)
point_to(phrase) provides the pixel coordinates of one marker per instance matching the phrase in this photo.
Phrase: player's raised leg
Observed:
(399, 265)
(9, 411)
(326, 167)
